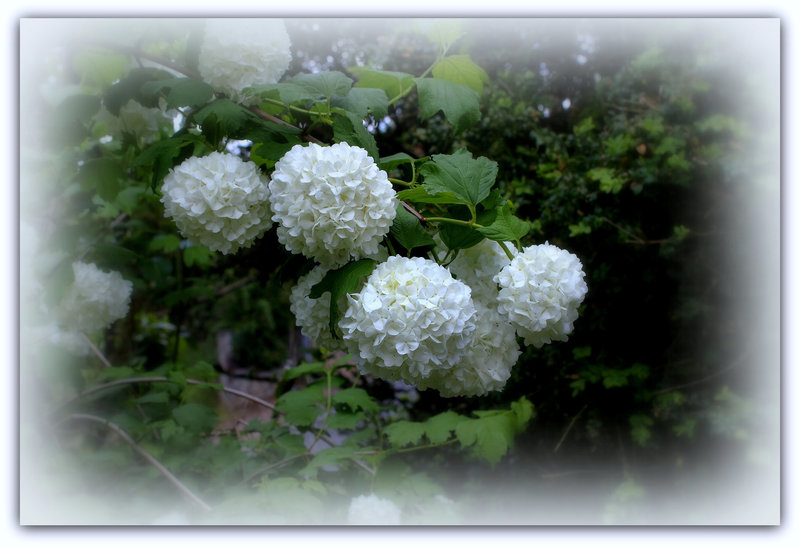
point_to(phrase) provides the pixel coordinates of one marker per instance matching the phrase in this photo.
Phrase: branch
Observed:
(142, 452)
(95, 350)
(569, 427)
(155, 58)
(269, 117)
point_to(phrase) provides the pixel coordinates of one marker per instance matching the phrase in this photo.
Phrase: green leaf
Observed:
(640, 428)
(102, 175)
(344, 420)
(80, 107)
(197, 255)
(329, 457)
(339, 282)
(182, 91)
(195, 416)
(491, 436)
(408, 231)
(524, 411)
(420, 195)
(439, 428)
(268, 153)
(459, 237)
(461, 70)
(325, 84)
(154, 397)
(356, 398)
(470, 180)
(225, 118)
(286, 92)
(459, 103)
(584, 126)
(349, 128)
(394, 84)
(301, 407)
(506, 226)
(610, 182)
(164, 242)
(445, 32)
(363, 101)
(132, 87)
(403, 433)
(164, 154)
(390, 162)
(303, 369)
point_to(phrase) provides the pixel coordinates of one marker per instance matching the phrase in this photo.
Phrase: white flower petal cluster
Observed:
(313, 315)
(239, 53)
(486, 366)
(332, 203)
(540, 291)
(373, 510)
(218, 201)
(477, 267)
(95, 300)
(410, 318)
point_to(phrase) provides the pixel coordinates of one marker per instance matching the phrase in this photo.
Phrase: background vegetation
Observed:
(646, 149)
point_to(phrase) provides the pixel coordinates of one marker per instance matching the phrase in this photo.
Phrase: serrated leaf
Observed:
(420, 195)
(610, 182)
(459, 103)
(461, 70)
(394, 84)
(364, 101)
(164, 242)
(344, 420)
(303, 369)
(339, 282)
(403, 433)
(408, 231)
(470, 180)
(524, 411)
(301, 407)
(439, 428)
(506, 226)
(225, 118)
(131, 87)
(164, 154)
(325, 84)
(459, 237)
(182, 91)
(390, 162)
(103, 175)
(640, 428)
(328, 457)
(286, 92)
(195, 416)
(356, 398)
(196, 255)
(491, 436)
(349, 128)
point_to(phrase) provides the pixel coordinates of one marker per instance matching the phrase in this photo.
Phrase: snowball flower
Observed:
(410, 318)
(486, 366)
(540, 291)
(238, 53)
(332, 203)
(95, 300)
(373, 510)
(218, 201)
(477, 267)
(313, 315)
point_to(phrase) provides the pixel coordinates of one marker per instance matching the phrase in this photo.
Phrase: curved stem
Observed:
(468, 223)
(142, 452)
(505, 250)
(400, 182)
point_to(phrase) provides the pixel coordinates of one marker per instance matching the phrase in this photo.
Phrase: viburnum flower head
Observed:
(486, 366)
(373, 510)
(410, 318)
(218, 201)
(540, 291)
(95, 300)
(477, 266)
(239, 53)
(313, 315)
(332, 203)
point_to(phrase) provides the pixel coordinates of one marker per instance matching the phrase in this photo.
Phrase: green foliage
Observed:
(339, 282)
(468, 179)
(506, 226)
(461, 70)
(458, 102)
(408, 231)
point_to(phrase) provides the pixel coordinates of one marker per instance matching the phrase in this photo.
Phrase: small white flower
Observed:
(218, 201)
(477, 267)
(332, 203)
(239, 53)
(313, 314)
(373, 510)
(410, 318)
(95, 300)
(540, 291)
(486, 366)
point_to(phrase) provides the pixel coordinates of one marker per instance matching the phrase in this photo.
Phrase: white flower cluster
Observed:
(373, 510)
(218, 201)
(410, 318)
(540, 291)
(477, 267)
(95, 300)
(313, 315)
(238, 53)
(332, 203)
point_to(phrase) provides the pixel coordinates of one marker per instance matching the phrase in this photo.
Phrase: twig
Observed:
(142, 452)
(269, 117)
(623, 230)
(155, 58)
(96, 351)
(413, 211)
(569, 427)
(263, 470)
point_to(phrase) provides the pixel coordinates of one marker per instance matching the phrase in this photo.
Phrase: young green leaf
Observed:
(195, 416)
(301, 407)
(390, 162)
(403, 433)
(408, 231)
(491, 436)
(506, 227)
(303, 369)
(459, 237)
(325, 84)
(470, 180)
(394, 84)
(349, 128)
(356, 398)
(340, 282)
(363, 101)
(461, 70)
(439, 428)
(459, 103)
(420, 195)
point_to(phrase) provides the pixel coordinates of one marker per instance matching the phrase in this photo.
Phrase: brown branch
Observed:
(96, 351)
(142, 452)
(414, 212)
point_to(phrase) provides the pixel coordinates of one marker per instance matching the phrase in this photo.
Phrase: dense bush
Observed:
(643, 149)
